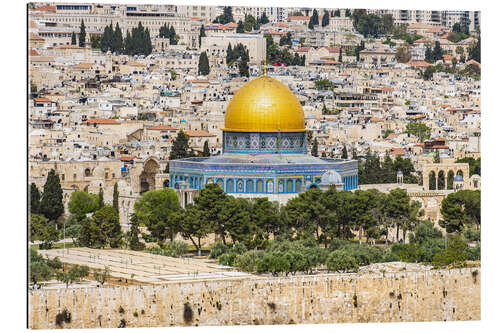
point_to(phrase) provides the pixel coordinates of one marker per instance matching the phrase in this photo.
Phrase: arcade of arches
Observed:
(441, 176)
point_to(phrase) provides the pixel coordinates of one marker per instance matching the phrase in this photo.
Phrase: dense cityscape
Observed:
(190, 148)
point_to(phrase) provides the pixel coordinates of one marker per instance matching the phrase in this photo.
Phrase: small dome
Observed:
(458, 178)
(331, 177)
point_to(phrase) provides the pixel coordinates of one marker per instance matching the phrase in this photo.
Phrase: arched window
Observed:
(166, 183)
(250, 186)
(432, 180)
(449, 180)
(260, 186)
(220, 182)
(230, 186)
(281, 186)
(298, 186)
(239, 186)
(270, 187)
(440, 184)
(289, 186)
(88, 173)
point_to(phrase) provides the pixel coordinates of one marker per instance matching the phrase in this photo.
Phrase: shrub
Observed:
(238, 248)
(405, 252)
(473, 253)
(425, 230)
(429, 248)
(472, 235)
(175, 248)
(218, 248)
(341, 261)
(455, 253)
(228, 258)
(298, 261)
(273, 262)
(336, 244)
(247, 262)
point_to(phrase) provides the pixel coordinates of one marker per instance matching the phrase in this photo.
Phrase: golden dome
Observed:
(264, 105)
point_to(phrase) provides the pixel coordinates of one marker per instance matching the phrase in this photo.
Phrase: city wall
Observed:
(436, 295)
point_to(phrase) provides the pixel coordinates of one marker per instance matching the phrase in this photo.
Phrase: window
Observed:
(230, 186)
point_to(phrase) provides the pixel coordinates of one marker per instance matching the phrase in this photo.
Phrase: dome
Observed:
(264, 105)
(331, 177)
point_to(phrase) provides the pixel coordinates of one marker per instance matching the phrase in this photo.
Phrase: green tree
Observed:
(344, 152)
(264, 19)
(82, 35)
(475, 51)
(82, 203)
(95, 42)
(234, 219)
(34, 202)
(100, 201)
(101, 276)
(240, 28)
(325, 20)
(73, 38)
(206, 149)
(341, 261)
(419, 130)
(397, 208)
(107, 220)
(155, 209)
(461, 209)
(437, 52)
(117, 39)
(210, 202)
(180, 147)
(314, 150)
(116, 195)
(454, 254)
(51, 204)
(306, 213)
(74, 274)
(133, 235)
(243, 68)
(203, 65)
(193, 226)
(202, 34)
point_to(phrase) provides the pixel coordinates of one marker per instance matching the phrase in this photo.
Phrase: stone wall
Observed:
(436, 295)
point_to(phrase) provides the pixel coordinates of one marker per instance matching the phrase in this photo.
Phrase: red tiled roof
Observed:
(304, 49)
(126, 158)
(398, 151)
(50, 9)
(102, 121)
(33, 52)
(162, 128)
(298, 18)
(193, 133)
(42, 99)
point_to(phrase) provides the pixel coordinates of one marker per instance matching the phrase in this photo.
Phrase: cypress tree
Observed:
(101, 199)
(81, 40)
(202, 34)
(180, 147)
(117, 40)
(34, 202)
(51, 205)
(115, 197)
(172, 35)
(148, 46)
(134, 242)
(240, 29)
(206, 149)
(326, 19)
(203, 65)
(340, 55)
(128, 43)
(314, 150)
(229, 54)
(73, 38)
(344, 152)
